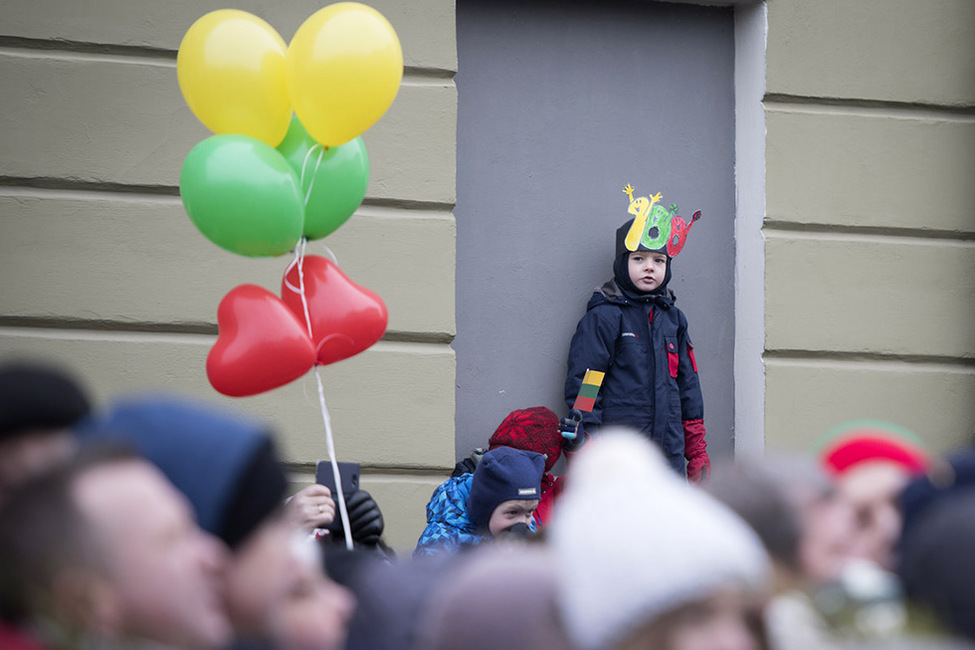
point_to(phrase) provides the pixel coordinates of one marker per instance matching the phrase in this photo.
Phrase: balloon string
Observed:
(329, 440)
(304, 164)
(314, 174)
(287, 282)
(300, 253)
(328, 250)
(294, 262)
(330, 443)
(333, 337)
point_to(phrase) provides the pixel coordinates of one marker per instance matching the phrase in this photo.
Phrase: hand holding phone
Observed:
(349, 473)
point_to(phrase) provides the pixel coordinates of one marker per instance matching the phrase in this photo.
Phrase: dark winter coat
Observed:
(651, 380)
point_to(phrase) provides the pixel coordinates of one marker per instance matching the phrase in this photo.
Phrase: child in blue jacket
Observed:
(633, 332)
(466, 510)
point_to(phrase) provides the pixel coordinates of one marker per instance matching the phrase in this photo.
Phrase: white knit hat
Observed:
(633, 540)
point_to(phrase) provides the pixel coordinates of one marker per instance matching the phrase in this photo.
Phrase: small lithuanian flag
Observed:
(586, 398)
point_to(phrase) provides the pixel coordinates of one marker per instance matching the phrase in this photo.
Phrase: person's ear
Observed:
(86, 601)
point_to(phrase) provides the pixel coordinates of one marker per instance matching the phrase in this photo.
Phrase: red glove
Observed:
(696, 451)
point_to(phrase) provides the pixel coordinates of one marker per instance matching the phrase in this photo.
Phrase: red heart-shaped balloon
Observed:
(261, 345)
(345, 318)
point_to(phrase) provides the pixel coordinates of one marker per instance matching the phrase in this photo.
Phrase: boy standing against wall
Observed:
(633, 332)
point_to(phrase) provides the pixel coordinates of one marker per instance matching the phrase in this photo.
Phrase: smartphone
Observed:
(349, 472)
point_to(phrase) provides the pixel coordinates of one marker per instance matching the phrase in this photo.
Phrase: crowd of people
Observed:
(161, 522)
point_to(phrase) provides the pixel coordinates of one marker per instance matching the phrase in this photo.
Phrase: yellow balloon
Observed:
(231, 70)
(344, 68)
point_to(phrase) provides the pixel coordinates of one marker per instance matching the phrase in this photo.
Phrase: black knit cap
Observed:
(34, 396)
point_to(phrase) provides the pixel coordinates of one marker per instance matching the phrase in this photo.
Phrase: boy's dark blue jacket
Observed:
(651, 380)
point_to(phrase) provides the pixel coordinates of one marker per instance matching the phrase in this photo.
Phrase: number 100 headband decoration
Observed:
(656, 228)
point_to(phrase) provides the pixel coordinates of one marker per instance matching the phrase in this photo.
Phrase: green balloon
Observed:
(242, 195)
(337, 177)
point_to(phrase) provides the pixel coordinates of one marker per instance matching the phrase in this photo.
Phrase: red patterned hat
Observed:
(532, 429)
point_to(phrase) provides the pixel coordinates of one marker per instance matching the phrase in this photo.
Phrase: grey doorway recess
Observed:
(560, 104)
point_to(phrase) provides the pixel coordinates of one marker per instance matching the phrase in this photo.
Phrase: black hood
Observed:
(611, 291)
(621, 271)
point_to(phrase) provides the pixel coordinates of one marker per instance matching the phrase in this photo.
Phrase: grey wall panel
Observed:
(850, 167)
(425, 27)
(111, 119)
(93, 118)
(560, 105)
(135, 258)
(908, 297)
(367, 395)
(878, 50)
(809, 397)
(412, 148)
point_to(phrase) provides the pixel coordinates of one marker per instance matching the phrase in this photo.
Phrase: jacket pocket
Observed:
(690, 353)
(672, 360)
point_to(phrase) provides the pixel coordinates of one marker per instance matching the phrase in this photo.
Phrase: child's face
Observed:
(647, 269)
(511, 512)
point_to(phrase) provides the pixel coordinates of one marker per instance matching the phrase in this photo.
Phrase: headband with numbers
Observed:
(656, 228)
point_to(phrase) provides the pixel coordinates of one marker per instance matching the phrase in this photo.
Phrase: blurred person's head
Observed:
(505, 489)
(949, 477)
(722, 620)
(936, 562)
(228, 468)
(794, 507)
(38, 405)
(871, 463)
(280, 594)
(104, 548)
(495, 597)
(645, 557)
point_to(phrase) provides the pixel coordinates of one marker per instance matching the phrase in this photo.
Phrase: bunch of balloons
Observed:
(287, 164)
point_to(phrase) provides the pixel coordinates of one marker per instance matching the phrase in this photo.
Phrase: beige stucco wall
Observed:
(870, 258)
(101, 270)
